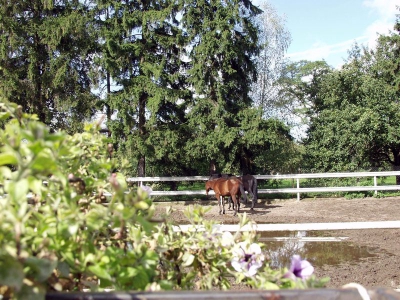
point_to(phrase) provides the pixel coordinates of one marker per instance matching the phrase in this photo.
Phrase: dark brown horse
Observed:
(225, 187)
(250, 186)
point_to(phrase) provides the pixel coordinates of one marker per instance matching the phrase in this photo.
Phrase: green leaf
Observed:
(8, 159)
(63, 268)
(69, 258)
(4, 115)
(35, 292)
(11, 272)
(270, 286)
(188, 259)
(141, 205)
(35, 185)
(36, 147)
(41, 267)
(89, 259)
(95, 217)
(5, 172)
(141, 280)
(100, 272)
(43, 162)
(18, 190)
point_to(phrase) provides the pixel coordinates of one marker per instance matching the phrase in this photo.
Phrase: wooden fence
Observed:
(349, 292)
(298, 190)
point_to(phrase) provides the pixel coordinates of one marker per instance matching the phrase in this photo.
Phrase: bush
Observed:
(70, 236)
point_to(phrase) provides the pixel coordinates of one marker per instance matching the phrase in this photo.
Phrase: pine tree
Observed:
(224, 43)
(45, 58)
(144, 46)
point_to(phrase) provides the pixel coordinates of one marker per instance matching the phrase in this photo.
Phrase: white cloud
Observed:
(335, 53)
(387, 10)
(320, 51)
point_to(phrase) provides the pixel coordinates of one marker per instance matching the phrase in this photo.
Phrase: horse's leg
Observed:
(243, 192)
(253, 199)
(235, 204)
(254, 191)
(219, 198)
(231, 202)
(221, 205)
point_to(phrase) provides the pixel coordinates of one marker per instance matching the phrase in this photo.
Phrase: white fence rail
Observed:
(296, 226)
(298, 190)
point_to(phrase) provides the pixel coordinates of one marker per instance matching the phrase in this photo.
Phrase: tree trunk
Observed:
(245, 162)
(213, 167)
(39, 102)
(141, 167)
(397, 168)
(108, 108)
(396, 164)
(142, 134)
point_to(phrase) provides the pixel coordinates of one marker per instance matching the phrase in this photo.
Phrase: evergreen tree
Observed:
(223, 44)
(45, 57)
(143, 52)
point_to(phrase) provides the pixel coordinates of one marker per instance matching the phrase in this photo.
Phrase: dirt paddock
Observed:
(382, 270)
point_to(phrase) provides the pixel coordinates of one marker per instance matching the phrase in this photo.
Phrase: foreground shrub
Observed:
(70, 235)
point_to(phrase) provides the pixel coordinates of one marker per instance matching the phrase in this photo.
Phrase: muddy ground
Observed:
(383, 270)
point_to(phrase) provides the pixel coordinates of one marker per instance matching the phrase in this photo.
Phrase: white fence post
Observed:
(298, 187)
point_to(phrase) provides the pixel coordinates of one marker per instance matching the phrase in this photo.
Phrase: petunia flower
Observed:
(247, 258)
(227, 239)
(299, 268)
(147, 189)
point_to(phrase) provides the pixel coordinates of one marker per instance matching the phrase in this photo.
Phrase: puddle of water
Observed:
(317, 253)
(310, 246)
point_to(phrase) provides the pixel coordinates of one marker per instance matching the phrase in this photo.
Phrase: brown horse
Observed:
(225, 187)
(249, 185)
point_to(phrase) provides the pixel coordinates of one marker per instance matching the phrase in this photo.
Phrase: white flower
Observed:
(247, 258)
(227, 239)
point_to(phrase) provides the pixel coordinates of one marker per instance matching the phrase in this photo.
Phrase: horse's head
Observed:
(209, 186)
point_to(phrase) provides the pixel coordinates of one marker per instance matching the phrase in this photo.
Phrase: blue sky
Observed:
(327, 29)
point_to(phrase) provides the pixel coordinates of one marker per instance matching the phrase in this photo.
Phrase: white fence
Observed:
(298, 190)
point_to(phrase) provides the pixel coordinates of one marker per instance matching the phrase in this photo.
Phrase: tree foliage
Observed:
(224, 41)
(143, 49)
(45, 59)
(298, 88)
(172, 77)
(357, 121)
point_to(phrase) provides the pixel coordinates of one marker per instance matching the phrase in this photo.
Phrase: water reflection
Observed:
(317, 253)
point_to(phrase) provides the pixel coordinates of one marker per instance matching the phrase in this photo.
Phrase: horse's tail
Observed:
(242, 191)
(255, 189)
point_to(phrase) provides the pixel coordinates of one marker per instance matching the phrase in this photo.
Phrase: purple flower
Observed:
(299, 268)
(247, 258)
(147, 189)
